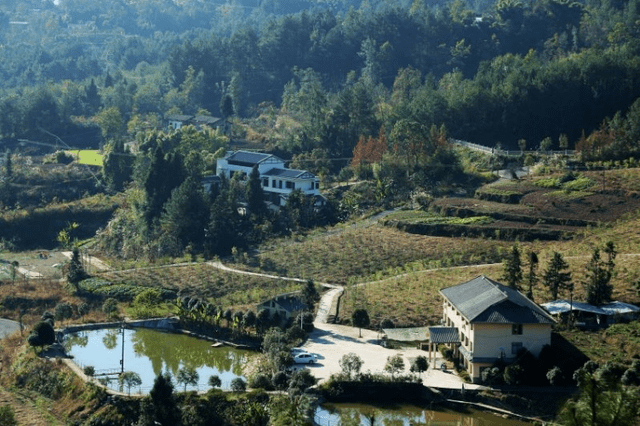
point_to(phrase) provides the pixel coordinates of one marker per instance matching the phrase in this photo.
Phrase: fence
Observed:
(507, 153)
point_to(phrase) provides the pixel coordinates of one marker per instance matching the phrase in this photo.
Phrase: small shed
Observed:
(285, 305)
(586, 315)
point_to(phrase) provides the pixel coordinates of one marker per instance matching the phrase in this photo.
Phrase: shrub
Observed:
(556, 376)
(491, 376)
(280, 380)
(214, 381)
(7, 416)
(260, 381)
(514, 375)
(89, 370)
(42, 334)
(110, 307)
(238, 385)
(301, 380)
(63, 311)
(630, 378)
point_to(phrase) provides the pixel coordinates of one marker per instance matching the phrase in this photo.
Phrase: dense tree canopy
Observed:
(490, 71)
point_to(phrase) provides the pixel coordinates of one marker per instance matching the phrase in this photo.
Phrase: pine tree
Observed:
(255, 195)
(598, 281)
(8, 165)
(160, 406)
(185, 215)
(556, 277)
(532, 274)
(160, 178)
(512, 265)
(117, 166)
(226, 106)
(76, 271)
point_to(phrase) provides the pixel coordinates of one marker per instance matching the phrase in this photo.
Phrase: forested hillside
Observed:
(490, 72)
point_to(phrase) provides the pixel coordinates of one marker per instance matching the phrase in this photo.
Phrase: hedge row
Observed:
(120, 291)
(498, 233)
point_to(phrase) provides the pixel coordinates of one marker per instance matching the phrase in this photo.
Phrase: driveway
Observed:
(331, 341)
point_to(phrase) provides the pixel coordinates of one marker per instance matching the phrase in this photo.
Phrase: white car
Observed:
(298, 351)
(304, 358)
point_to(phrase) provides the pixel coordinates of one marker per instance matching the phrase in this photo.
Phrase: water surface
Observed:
(151, 352)
(405, 415)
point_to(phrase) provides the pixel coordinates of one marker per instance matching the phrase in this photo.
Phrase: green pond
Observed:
(405, 415)
(151, 352)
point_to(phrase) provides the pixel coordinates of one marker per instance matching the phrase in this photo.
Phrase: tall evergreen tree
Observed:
(186, 213)
(225, 229)
(255, 195)
(532, 274)
(160, 406)
(512, 268)
(161, 176)
(76, 271)
(226, 106)
(117, 166)
(556, 277)
(598, 281)
(8, 165)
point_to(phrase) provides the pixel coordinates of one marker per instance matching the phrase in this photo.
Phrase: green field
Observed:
(90, 157)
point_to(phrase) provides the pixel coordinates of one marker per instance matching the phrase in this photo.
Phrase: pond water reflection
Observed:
(151, 352)
(405, 415)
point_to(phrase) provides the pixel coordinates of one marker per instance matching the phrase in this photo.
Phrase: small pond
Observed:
(151, 352)
(404, 415)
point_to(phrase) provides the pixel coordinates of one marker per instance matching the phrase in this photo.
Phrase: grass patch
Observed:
(569, 195)
(416, 216)
(492, 190)
(619, 342)
(89, 157)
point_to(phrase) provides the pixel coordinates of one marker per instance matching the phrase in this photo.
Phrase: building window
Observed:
(516, 329)
(273, 183)
(288, 185)
(516, 347)
(317, 185)
(265, 182)
(280, 184)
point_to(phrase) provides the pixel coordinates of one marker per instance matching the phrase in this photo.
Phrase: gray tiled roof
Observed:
(179, 117)
(249, 157)
(484, 300)
(443, 335)
(291, 302)
(285, 173)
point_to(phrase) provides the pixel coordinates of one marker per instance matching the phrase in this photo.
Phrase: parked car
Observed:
(304, 358)
(298, 351)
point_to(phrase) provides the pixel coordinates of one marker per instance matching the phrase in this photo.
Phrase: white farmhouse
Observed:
(485, 321)
(277, 180)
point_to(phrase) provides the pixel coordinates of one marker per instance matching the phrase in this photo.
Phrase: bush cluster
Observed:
(122, 292)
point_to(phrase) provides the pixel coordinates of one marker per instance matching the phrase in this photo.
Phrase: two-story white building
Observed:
(485, 321)
(277, 180)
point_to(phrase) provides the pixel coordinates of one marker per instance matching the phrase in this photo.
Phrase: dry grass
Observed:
(35, 296)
